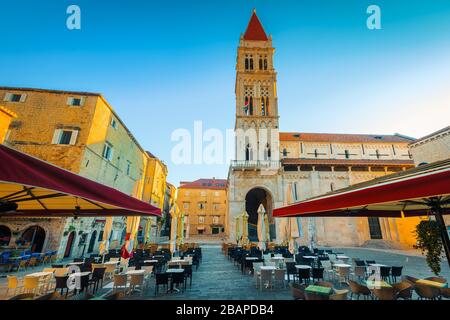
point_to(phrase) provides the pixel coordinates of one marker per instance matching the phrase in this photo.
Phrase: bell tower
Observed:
(256, 126)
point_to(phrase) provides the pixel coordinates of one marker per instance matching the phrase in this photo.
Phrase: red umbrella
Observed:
(32, 187)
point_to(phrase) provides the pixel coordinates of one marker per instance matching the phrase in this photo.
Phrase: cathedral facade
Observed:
(275, 168)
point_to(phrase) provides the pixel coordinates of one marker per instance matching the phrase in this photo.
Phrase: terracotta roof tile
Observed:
(338, 137)
(217, 184)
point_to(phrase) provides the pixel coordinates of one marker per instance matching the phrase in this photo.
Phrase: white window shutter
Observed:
(23, 97)
(56, 136)
(82, 100)
(69, 101)
(7, 97)
(73, 137)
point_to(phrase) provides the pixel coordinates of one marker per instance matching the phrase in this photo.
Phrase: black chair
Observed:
(317, 274)
(97, 278)
(291, 270)
(303, 275)
(84, 282)
(161, 279)
(188, 274)
(396, 272)
(385, 272)
(61, 284)
(178, 280)
(360, 263)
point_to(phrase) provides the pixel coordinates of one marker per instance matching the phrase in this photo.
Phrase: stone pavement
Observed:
(217, 278)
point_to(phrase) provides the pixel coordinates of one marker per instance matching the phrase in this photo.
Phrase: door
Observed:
(70, 241)
(375, 228)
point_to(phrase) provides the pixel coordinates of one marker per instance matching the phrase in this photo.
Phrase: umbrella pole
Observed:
(444, 233)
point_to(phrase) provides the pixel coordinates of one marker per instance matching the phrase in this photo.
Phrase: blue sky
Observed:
(165, 64)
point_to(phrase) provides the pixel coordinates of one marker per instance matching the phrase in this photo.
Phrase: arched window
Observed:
(260, 64)
(267, 152)
(347, 154)
(247, 65)
(285, 153)
(5, 235)
(251, 63)
(250, 107)
(265, 64)
(263, 106)
(248, 152)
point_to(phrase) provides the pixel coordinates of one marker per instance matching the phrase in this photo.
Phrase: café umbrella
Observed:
(30, 187)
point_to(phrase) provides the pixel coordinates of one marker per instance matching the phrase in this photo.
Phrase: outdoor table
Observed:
(325, 291)
(79, 274)
(75, 263)
(135, 272)
(342, 265)
(171, 282)
(251, 258)
(302, 266)
(110, 262)
(39, 274)
(276, 258)
(151, 261)
(373, 284)
(432, 283)
(377, 265)
(310, 257)
(267, 268)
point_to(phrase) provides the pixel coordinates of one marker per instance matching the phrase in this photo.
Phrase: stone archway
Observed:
(253, 199)
(5, 235)
(35, 237)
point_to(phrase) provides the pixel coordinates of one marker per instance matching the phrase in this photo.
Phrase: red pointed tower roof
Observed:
(255, 30)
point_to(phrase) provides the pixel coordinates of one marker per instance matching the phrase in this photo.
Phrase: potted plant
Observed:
(429, 240)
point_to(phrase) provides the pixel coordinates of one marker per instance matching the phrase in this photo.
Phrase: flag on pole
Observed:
(245, 107)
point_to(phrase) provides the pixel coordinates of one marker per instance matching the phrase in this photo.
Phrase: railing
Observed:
(255, 164)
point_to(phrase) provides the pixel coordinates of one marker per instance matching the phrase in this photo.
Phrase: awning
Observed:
(39, 188)
(407, 193)
(416, 192)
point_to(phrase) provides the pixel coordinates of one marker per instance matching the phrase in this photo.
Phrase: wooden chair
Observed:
(13, 284)
(297, 291)
(23, 296)
(445, 293)
(427, 292)
(110, 270)
(280, 277)
(437, 279)
(120, 282)
(136, 281)
(358, 290)
(339, 295)
(30, 284)
(385, 293)
(265, 277)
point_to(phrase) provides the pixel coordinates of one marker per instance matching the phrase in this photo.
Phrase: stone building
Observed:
(431, 148)
(267, 161)
(80, 132)
(203, 203)
(6, 116)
